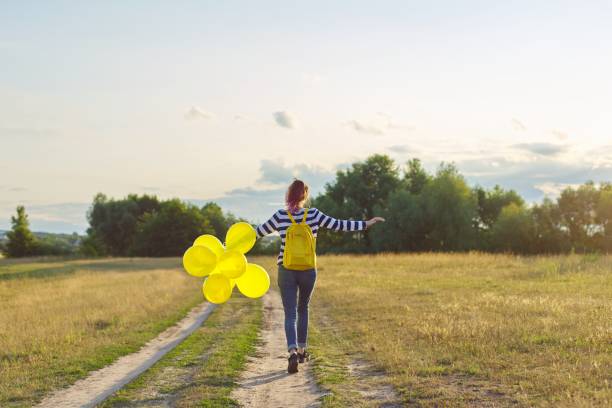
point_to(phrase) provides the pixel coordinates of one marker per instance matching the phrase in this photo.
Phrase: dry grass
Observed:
(449, 330)
(202, 370)
(474, 329)
(60, 320)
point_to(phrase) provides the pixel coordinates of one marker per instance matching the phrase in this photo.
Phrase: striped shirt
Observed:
(280, 221)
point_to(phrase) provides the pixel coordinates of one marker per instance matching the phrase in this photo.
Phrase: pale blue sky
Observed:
(179, 98)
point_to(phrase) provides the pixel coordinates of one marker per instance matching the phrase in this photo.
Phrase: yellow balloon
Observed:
(240, 237)
(232, 264)
(211, 242)
(217, 288)
(255, 281)
(232, 281)
(199, 261)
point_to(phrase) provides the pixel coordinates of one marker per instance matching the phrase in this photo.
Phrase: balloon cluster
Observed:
(226, 266)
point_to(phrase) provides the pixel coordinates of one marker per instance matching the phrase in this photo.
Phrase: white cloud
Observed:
(545, 175)
(543, 149)
(195, 113)
(378, 125)
(518, 125)
(552, 189)
(368, 128)
(559, 134)
(601, 157)
(400, 149)
(285, 119)
(257, 203)
(389, 123)
(276, 172)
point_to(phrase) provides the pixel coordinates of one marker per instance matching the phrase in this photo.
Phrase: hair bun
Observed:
(296, 194)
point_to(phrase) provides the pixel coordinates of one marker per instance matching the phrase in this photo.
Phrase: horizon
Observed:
(227, 102)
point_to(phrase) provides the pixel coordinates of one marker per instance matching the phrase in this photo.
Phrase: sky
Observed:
(228, 101)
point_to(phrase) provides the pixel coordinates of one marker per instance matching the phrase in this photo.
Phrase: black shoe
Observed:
(305, 356)
(293, 363)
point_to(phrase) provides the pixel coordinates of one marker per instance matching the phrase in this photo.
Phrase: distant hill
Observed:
(40, 234)
(51, 243)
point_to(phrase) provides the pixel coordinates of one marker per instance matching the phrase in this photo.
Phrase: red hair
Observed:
(297, 193)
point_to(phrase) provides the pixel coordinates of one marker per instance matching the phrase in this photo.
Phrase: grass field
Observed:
(202, 370)
(473, 329)
(61, 319)
(447, 330)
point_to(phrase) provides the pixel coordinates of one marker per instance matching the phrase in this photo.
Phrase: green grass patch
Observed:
(330, 364)
(56, 328)
(202, 370)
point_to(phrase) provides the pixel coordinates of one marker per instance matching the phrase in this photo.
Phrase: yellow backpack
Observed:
(300, 245)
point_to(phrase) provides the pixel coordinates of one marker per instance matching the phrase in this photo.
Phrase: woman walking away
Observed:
(297, 271)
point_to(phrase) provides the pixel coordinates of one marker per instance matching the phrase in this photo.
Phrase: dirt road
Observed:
(265, 382)
(102, 383)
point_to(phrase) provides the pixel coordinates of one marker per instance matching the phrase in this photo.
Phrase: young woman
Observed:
(296, 285)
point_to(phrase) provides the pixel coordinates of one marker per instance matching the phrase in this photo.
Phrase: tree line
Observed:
(441, 212)
(425, 211)
(146, 226)
(131, 226)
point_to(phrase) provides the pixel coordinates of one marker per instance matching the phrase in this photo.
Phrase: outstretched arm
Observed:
(267, 227)
(345, 225)
(373, 221)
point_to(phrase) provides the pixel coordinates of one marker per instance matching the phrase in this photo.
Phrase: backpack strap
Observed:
(291, 217)
(305, 214)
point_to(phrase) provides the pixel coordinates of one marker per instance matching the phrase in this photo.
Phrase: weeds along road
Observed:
(100, 384)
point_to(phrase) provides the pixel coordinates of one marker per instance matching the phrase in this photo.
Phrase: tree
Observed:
(113, 223)
(92, 245)
(514, 230)
(449, 209)
(56, 244)
(146, 226)
(578, 208)
(170, 230)
(353, 195)
(604, 217)
(489, 206)
(491, 202)
(216, 218)
(365, 185)
(331, 241)
(415, 176)
(21, 241)
(406, 231)
(267, 245)
(549, 236)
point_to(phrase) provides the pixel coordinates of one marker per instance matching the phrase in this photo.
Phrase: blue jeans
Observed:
(295, 289)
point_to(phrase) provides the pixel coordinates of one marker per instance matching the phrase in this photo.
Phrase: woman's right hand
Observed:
(373, 221)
